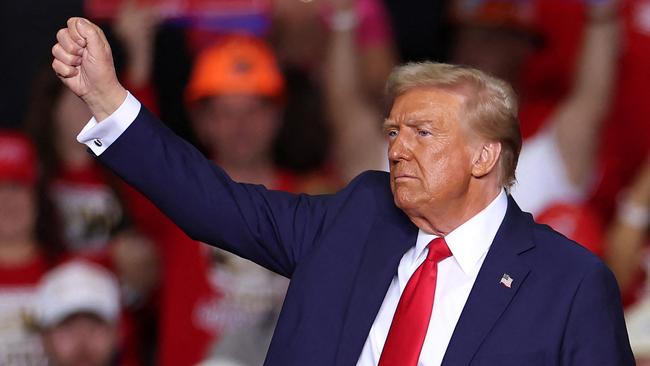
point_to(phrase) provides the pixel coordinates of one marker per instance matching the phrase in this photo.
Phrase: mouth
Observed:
(404, 177)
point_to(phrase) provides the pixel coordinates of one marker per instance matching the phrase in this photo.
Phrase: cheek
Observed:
(446, 171)
(265, 130)
(18, 207)
(219, 129)
(101, 342)
(202, 130)
(219, 133)
(62, 345)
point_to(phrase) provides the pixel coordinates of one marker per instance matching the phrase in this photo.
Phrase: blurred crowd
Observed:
(289, 94)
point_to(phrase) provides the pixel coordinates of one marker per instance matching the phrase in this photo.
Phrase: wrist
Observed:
(103, 104)
(343, 20)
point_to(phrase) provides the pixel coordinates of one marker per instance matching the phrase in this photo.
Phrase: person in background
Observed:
(358, 142)
(90, 201)
(299, 37)
(77, 314)
(314, 41)
(136, 27)
(550, 51)
(627, 237)
(28, 247)
(235, 96)
(96, 210)
(558, 161)
(626, 133)
(628, 255)
(106, 221)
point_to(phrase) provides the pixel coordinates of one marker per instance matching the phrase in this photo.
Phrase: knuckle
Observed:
(56, 65)
(59, 53)
(64, 38)
(96, 31)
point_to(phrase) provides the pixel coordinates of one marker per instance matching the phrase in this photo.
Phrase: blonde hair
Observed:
(491, 107)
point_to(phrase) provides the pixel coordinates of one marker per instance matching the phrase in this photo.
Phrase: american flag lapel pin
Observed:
(506, 280)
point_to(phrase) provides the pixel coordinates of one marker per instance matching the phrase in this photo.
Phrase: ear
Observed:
(486, 159)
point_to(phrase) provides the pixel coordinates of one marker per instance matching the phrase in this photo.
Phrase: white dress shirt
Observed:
(469, 243)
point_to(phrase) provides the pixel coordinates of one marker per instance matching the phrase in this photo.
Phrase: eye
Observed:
(391, 133)
(424, 133)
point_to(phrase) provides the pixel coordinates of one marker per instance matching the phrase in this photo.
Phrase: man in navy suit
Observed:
(432, 264)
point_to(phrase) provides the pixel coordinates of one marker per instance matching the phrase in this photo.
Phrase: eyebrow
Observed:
(388, 123)
(410, 123)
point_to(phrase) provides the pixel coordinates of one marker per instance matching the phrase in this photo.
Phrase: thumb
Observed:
(95, 39)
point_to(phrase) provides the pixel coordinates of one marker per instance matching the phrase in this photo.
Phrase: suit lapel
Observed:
(387, 242)
(489, 298)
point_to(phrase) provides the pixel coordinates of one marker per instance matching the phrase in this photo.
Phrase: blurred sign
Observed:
(250, 15)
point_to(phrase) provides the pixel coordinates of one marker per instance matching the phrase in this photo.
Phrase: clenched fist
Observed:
(84, 63)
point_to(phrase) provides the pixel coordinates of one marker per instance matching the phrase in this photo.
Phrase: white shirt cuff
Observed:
(99, 136)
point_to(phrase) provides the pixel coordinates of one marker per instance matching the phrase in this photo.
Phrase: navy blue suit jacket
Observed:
(341, 252)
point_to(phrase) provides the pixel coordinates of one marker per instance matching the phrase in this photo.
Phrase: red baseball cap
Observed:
(18, 162)
(577, 222)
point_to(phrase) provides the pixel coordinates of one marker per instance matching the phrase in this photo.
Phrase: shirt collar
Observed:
(471, 240)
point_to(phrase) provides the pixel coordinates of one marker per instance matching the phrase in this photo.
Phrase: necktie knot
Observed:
(438, 250)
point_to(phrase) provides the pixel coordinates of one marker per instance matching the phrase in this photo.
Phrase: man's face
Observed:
(17, 211)
(80, 340)
(428, 152)
(239, 129)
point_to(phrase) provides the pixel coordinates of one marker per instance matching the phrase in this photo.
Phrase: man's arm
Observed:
(359, 143)
(577, 121)
(628, 233)
(567, 147)
(595, 332)
(273, 229)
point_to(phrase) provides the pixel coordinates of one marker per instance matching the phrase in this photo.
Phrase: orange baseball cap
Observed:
(18, 161)
(237, 64)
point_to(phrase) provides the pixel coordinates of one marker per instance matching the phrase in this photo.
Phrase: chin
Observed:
(403, 200)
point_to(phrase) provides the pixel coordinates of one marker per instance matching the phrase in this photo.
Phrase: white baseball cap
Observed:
(77, 287)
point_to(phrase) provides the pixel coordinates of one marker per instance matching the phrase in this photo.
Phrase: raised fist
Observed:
(84, 63)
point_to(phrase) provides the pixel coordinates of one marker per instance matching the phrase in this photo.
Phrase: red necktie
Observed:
(411, 320)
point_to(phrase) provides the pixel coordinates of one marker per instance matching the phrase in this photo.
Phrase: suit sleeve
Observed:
(596, 332)
(271, 228)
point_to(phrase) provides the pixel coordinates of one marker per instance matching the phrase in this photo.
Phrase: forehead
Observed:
(426, 103)
(237, 100)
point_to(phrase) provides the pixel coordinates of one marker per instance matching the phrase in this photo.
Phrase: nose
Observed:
(399, 149)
